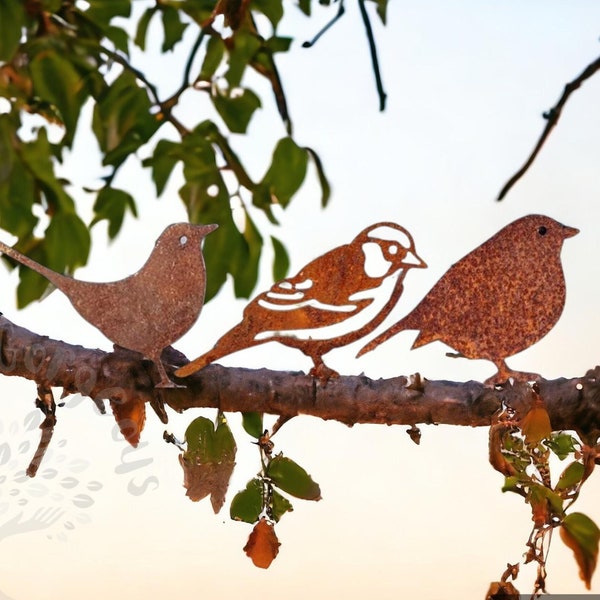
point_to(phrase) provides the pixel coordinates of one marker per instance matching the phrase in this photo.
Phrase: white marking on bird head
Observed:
(375, 264)
(397, 234)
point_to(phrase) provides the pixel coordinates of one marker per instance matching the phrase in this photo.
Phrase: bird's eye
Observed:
(393, 249)
(542, 230)
(183, 240)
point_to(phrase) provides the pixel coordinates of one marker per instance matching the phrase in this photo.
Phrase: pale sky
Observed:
(467, 83)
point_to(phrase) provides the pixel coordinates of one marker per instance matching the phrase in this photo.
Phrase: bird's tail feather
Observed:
(235, 339)
(197, 363)
(383, 337)
(49, 274)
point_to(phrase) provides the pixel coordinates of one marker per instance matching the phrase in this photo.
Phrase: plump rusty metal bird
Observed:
(151, 309)
(499, 299)
(334, 300)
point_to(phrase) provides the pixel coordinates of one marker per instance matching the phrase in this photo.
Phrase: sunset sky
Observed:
(467, 83)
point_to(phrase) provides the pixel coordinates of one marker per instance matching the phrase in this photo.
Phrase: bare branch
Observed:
(551, 117)
(573, 404)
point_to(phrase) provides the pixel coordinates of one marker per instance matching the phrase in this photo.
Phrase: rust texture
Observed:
(354, 286)
(498, 300)
(150, 309)
(573, 404)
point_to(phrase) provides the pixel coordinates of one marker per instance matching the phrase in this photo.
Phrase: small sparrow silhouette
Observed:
(151, 309)
(342, 286)
(498, 300)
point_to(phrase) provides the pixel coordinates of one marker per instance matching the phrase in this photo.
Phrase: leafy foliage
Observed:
(57, 58)
(208, 461)
(522, 451)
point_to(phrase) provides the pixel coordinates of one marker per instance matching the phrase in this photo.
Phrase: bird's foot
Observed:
(322, 372)
(505, 373)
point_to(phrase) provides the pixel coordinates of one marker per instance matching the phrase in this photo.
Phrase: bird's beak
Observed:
(413, 260)
(569, 231)
(206, 229)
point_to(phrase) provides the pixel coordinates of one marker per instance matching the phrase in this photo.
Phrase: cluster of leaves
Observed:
(208, 462)
(57, 56)
(522, 452)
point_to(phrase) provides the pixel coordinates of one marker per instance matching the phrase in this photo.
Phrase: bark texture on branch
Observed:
(124, 377)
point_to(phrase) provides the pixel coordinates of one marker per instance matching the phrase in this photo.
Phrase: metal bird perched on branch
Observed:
(151, 309)
(342, 288)
(499, 299)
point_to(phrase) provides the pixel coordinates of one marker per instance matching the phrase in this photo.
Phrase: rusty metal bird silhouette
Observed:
(354, 286)
(151, 309)
(499, 299)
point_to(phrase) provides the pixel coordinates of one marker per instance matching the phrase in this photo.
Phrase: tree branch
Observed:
(122, 376)
(551, 117)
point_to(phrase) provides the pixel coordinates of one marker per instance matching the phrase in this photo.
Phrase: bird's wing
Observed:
(281, 314)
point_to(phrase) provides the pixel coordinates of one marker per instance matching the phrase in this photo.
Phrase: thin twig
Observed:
(339, 15)
(373, 52)
(185, 84)
(45, 402)
(551, 117)
(166, 110)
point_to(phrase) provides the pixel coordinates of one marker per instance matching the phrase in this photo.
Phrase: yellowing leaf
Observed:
(263, 545)
(130, 416)
(208, 461)
(582, 535)
(571, 476)
(535, 425)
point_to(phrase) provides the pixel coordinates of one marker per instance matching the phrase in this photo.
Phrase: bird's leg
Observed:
(505, 373)
(321, 370)
(157, 402)
(165, 381)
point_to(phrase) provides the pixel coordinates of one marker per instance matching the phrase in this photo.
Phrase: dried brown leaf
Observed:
(263, 545)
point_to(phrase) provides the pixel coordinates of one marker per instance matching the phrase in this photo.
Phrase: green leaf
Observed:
(381, 9)
(119, 37)
(292, 478)
(279, 506)
(12, 21)
(287, 171)
(31, 284)
(209, 460)
(111, 204)
(67, 241)
(281, 260)
(245, 46)
(215, 50)
(236, 109)
(253, 423)
(163, 160)
(244, 266)
(278, 44)
(248, 504)
(582, 535)
(102, 11)
(571, 476)
(173, 27)
(562, 444)
(56, 81)
(207, 444)
(142, 28)
(325, 187)
(37, 157)
(122, 119)
(272, 9)
(304, 6)
(16, 184)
